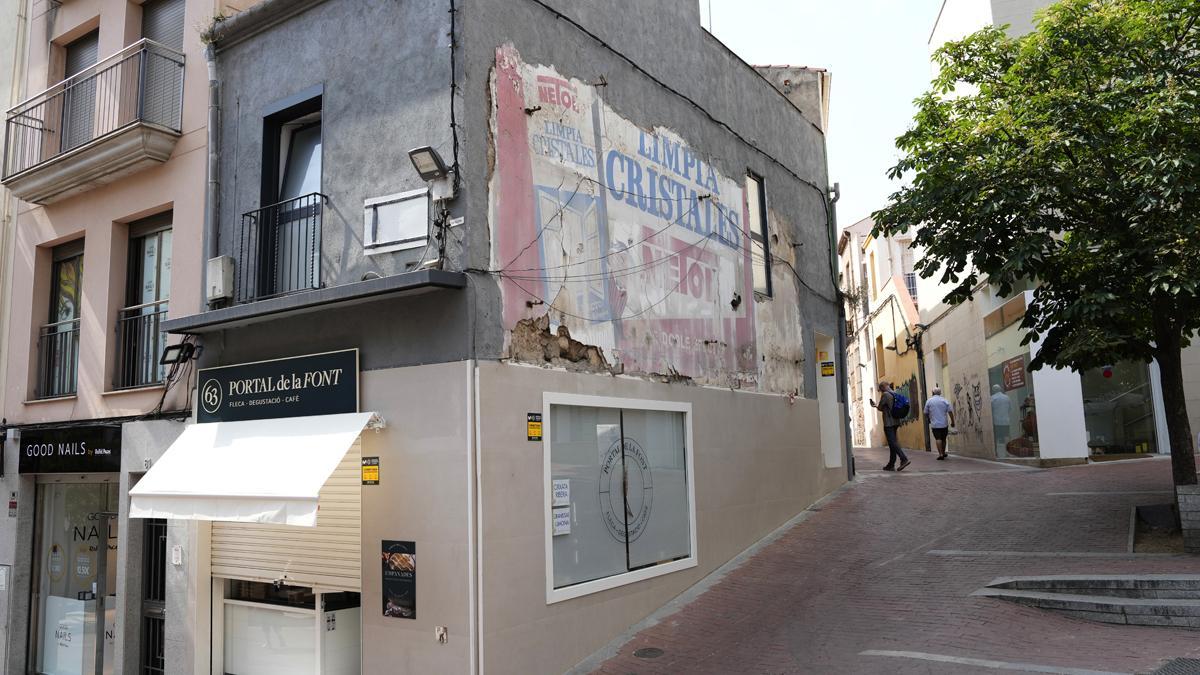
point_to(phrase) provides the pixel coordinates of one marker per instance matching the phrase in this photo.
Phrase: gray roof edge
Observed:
(218, 319)
(257, 19)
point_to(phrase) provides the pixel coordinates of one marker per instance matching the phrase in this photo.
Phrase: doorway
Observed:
(75, 570)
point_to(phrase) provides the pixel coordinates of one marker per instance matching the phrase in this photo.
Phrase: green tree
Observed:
(1070, 156)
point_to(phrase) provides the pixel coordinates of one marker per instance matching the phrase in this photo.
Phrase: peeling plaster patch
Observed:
(532, 342)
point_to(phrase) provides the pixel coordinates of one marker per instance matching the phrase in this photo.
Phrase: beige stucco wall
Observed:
(960, 329)
(422, 497)
(98, 216)
(746, 484)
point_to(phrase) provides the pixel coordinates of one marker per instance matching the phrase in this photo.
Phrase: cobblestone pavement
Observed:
(878, 579)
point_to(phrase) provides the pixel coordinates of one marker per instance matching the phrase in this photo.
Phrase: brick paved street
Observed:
(887, 565)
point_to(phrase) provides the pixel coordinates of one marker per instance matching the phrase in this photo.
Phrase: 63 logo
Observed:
(210, 396)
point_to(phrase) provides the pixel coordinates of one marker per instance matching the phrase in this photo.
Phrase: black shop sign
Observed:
(75, 449)
(318, 384)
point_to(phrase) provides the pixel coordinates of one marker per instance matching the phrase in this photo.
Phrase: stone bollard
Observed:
(1189, 515)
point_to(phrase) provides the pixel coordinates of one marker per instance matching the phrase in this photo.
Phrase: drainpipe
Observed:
(212, 193)
(844, 380)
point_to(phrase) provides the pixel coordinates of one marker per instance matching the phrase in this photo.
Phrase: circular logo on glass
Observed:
(626, 490)
(210, 396)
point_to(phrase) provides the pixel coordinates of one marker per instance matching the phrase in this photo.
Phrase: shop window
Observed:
(275, 628)
(1010, 394)
(620, 500)
(1118, 409)
(75, 578)
(760, 247)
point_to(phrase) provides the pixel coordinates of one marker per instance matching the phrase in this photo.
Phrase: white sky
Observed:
(877, 51)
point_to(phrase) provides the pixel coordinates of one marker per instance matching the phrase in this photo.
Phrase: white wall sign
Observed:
(562, 492)
(562, 521)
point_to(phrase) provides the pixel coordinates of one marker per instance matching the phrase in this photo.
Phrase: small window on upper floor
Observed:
(286, 230)
(760, 248)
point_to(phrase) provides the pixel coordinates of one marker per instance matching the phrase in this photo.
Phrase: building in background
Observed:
(881, 324)
(12, 56)
(975, 351)
(105, 152)
(510, 327)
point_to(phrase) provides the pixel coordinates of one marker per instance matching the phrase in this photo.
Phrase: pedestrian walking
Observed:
(940, 414)
(887, 399)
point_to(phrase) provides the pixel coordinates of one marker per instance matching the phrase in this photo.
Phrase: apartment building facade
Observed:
(104, 153)
(881, 327)
(502, 284)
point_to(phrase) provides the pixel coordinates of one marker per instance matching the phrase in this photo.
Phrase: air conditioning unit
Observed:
(220, 279)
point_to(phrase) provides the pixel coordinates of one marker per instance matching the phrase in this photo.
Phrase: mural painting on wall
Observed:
(626, 236)
(909, 389)
(968, 403)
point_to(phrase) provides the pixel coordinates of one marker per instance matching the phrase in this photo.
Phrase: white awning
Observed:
(261, 471)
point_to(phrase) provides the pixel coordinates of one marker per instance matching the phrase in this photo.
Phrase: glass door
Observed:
(75, 583)
(1118, 409)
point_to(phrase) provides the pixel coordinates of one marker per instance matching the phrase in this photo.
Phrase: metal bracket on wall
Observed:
(376, 423)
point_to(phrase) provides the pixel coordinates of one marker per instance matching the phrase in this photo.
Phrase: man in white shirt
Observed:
(940, 414)
(1001, 419)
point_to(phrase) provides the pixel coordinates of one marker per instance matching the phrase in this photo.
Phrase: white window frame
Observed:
(553, 594)
(370, 208)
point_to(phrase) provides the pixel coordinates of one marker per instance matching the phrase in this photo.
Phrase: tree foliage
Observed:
(1071, 156)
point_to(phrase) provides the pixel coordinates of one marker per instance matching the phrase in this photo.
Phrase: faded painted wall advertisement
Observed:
(626, 236)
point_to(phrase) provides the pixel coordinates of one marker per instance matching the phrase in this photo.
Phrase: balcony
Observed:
(140, 346)
(910, 284)
(113, 119)
(58, 359)
(279, 249)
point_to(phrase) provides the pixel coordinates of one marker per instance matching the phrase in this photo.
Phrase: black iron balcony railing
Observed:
(142, 83)
(58, 359)
(140, 345)
(279, 249)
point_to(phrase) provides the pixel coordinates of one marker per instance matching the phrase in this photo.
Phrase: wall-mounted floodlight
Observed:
(428, 163)
(176, 353)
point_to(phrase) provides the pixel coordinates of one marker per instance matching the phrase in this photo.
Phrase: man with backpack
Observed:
(894, 408)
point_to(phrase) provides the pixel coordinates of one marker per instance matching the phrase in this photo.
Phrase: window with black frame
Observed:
(760, 248)
(58, 339)
(140, 343)
(286, 233)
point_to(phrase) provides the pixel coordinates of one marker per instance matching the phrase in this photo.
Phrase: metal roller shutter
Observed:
(162, 21)
(328, 555)
(80, 99)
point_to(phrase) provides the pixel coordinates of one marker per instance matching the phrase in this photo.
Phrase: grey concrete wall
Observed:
(744, 488)
(385, 67)
(400, 331)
